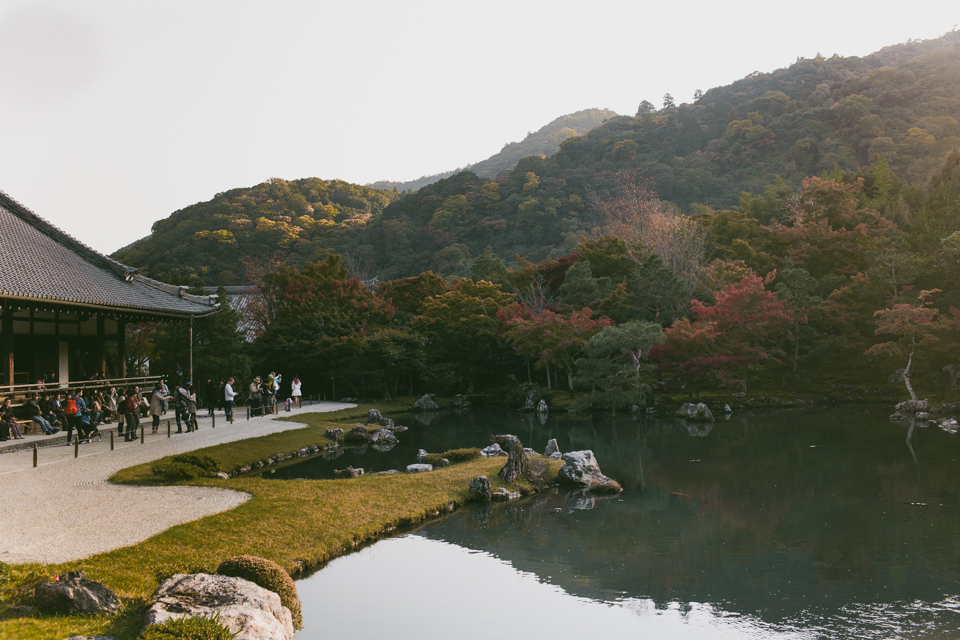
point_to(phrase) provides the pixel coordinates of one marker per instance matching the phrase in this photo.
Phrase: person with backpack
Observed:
(73, 410)
(132, 409)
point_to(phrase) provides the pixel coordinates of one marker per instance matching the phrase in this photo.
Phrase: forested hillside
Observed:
(543, 142)
(890, 118)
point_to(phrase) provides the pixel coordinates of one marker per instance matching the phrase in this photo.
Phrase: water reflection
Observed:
(815, 523)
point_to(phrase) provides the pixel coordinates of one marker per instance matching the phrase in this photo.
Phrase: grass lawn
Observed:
(299, 524)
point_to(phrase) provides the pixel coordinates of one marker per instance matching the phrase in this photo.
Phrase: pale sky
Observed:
(114, 114)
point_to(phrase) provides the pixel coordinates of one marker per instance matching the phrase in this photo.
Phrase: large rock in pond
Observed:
(358, 434)
(581, 470)
(425, 403)
(552, 447)
(480, 489)
(74, 593)
(374, 416)
(383, 436)
(248, 610)
(698, 411)
(334, 434)
(349, 472)
(542, 407)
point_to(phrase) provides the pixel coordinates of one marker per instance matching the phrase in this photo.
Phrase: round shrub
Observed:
(269, 575)
(187, 629)
(203, 460)
(177, 471)
(461, 455)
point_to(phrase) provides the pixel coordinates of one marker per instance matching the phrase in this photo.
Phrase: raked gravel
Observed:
(65, 509)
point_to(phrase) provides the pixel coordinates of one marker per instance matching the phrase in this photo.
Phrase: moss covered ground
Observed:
(299, 524)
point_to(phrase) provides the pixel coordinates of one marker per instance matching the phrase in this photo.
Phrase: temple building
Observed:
(65, 307)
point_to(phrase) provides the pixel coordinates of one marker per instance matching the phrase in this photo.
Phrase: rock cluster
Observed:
(581, 470)
(349, 472)
(250, 611)
(504, 495)
(374, 416)
(74, 593)
(553, 449)
(358, 434)
(698, 411)
(492, 451)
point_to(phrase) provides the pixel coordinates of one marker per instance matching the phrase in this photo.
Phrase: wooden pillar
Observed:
(101, 347)
(7, 331)
(122, 346)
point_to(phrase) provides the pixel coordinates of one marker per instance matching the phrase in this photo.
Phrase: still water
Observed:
(817, 523)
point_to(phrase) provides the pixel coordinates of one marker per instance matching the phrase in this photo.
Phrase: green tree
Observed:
(612, 363)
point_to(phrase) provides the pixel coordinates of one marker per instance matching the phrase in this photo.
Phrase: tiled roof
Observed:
(38, 261)
(243, 299)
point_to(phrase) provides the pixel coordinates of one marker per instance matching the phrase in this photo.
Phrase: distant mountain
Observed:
(836, 116)
(543, 142)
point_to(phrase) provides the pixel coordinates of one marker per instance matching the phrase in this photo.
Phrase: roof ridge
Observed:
(176, 290)
(56, 233)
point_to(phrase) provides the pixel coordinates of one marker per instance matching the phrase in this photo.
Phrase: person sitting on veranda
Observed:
(8, 416)
(32, 409)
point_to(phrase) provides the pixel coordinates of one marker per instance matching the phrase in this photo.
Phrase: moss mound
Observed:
(434, 459)
(269, 575)
(202, 460)
(461, 455)
(187, 629)
(173, 471)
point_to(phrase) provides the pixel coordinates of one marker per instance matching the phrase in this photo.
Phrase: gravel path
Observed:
(65, 509)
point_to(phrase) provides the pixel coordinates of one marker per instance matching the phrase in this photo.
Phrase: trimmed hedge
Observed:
(269, 575)
(203, 460)
(172, 471)
(188, 629)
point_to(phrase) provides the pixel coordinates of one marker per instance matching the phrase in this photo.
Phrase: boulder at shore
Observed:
(248, 610)
(582, 470)
(492, 451)
(74, 593)
(699, 411)
(480, 489)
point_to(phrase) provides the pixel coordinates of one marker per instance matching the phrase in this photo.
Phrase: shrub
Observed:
(461, 455)
(515, 395)
(177, 471)
(188, 629)
(434, 459)
(269, 575)
(203, 460)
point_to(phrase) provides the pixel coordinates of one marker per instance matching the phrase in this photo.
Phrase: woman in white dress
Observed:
(295, 390)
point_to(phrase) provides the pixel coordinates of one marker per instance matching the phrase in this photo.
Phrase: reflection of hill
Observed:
(768, 514)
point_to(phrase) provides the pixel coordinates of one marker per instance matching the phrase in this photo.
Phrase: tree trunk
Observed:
(745, 369)
(529, 375)
(796, 352)
(570, 377)
(906, 373)
(548, 376)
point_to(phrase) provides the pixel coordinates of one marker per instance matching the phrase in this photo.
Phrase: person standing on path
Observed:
(295, 390)
(132, 406)
(211, 395)
(165, 390)
(182, 401)
(228, 395)
(191, 392)
(256, 397)
(156, 406)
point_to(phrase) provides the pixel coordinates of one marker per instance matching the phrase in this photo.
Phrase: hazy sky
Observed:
(114, 114)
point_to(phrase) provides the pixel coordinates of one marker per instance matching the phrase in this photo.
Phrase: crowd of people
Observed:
(83, 410)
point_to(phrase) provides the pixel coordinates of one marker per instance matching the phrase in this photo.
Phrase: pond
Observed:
(816, 523)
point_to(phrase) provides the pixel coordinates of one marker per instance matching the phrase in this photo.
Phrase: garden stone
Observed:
(419, 468)
(530, 452)
(504, 495)
(529, 402)
(923, 415)
(552, 447)
(248, 610)
(542, 407)
(374, 416)
(222, 475)
(397, 428)
(516, 467)
(727, 410)
(383, 436)
(390, 472)
(492, 451)
(507, 441)
(949, 425)
(386, 423)
(74, 593)
(421, 455)
(426, 403)
(349, 472)
(480, 488)
(358, 433)
(335, 434)
(556, 455)
(697, 411)
(581, 470)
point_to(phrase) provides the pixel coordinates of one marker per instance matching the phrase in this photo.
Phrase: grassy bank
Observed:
(300, 524)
